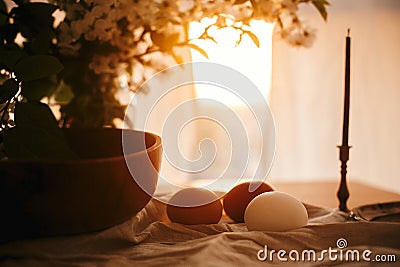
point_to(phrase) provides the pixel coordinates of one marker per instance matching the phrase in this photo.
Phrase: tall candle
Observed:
(345, 137)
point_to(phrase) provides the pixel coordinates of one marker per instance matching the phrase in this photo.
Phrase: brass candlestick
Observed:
(343, 192)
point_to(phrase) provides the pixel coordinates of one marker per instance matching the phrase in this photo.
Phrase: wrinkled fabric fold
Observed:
(149, 239)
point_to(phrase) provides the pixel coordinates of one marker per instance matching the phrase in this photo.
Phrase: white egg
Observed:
(275, 211)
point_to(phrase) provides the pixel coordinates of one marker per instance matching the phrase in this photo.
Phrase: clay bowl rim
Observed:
(157, 144)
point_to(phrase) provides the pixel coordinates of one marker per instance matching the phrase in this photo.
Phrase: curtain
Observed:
(308, 90)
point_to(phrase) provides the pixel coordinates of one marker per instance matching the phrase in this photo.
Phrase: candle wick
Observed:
(348, 31)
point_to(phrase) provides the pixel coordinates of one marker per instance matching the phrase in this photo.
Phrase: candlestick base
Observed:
(343, 192)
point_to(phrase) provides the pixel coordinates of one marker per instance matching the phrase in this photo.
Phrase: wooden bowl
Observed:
(46, 197)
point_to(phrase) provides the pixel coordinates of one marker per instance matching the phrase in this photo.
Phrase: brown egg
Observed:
(194, 206)
(237, 199)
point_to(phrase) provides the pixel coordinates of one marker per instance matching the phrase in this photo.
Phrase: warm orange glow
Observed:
(254, 62)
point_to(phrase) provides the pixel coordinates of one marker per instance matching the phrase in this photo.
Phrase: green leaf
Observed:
(42, 41)
(163, 41)
(8, 59)
(200, 50)
(320, 5)
(42, 12)
(63, 95)
(211, 38)
(8, 90)
(14, 144)
(35, 143)
(178, 59)
(254, 38)
(239, 40)
(36, 114)
(36, 134)
(9, 33)
(37, 89)
(3, 11)
(36, 67)
(239, 2)
(32, 17)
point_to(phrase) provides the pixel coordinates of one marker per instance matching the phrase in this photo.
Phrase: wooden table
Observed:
(319, 193)
(324, 193)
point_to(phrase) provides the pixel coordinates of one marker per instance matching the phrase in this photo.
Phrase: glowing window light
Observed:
(254, 62)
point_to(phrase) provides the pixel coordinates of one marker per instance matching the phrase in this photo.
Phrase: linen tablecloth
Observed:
(150, 239)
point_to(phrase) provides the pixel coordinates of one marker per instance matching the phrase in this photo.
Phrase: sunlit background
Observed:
(306, 94)
(246, 57)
